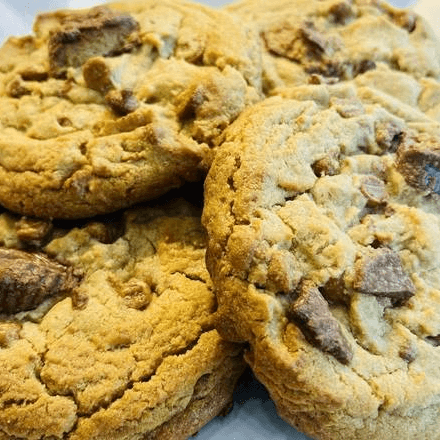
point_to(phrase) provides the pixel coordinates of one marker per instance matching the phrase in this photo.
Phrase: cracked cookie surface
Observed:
(110, 106)
(324, 252)
(129, 350)
(332, 40)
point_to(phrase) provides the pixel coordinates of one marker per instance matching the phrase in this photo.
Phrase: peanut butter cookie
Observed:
(327, 41)
(323, 216)
(106, 330)
(107, 107)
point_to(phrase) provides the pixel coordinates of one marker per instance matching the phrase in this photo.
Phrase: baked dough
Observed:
(127, 349)
(106, 107)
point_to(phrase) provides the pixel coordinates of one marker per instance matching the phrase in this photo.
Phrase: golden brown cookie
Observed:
(326, 41)
(106, 107)
(323, 216)
(106, 330)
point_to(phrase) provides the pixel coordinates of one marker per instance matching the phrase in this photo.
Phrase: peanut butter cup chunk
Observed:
(380, 273)
(99, 31)
(27, 279)
(311, 312)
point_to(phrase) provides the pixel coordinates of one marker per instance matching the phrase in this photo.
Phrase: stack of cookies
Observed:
(187, 191)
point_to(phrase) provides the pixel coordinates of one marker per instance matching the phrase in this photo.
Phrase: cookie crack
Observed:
(131, 384)
(192, 277)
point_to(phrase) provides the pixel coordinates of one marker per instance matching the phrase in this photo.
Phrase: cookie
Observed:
(323, 215)
(333, 40)
(110, 106)
(416, 101)
(106, 330)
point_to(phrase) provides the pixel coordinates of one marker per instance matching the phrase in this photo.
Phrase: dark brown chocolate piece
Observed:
(419, 163)
(27, 279)
(334, 291)
(34, 74)
(374, 190)
(312, 314)
(99, 32)
(380, 273)
(434, 340)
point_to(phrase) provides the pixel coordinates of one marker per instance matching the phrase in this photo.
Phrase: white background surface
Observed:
(253, 416)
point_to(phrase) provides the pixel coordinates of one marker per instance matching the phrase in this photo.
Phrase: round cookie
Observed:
(323, 217)
(110, 106)
(106, 330)
(331, 40)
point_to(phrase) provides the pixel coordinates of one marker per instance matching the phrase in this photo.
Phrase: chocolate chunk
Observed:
(122, 102)
(27, 279)
(99, 32)
(312, 314)
(434, 340)
(35, 74)
(374, 190)
(380, 273)
(419, 163)
(334, 291)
